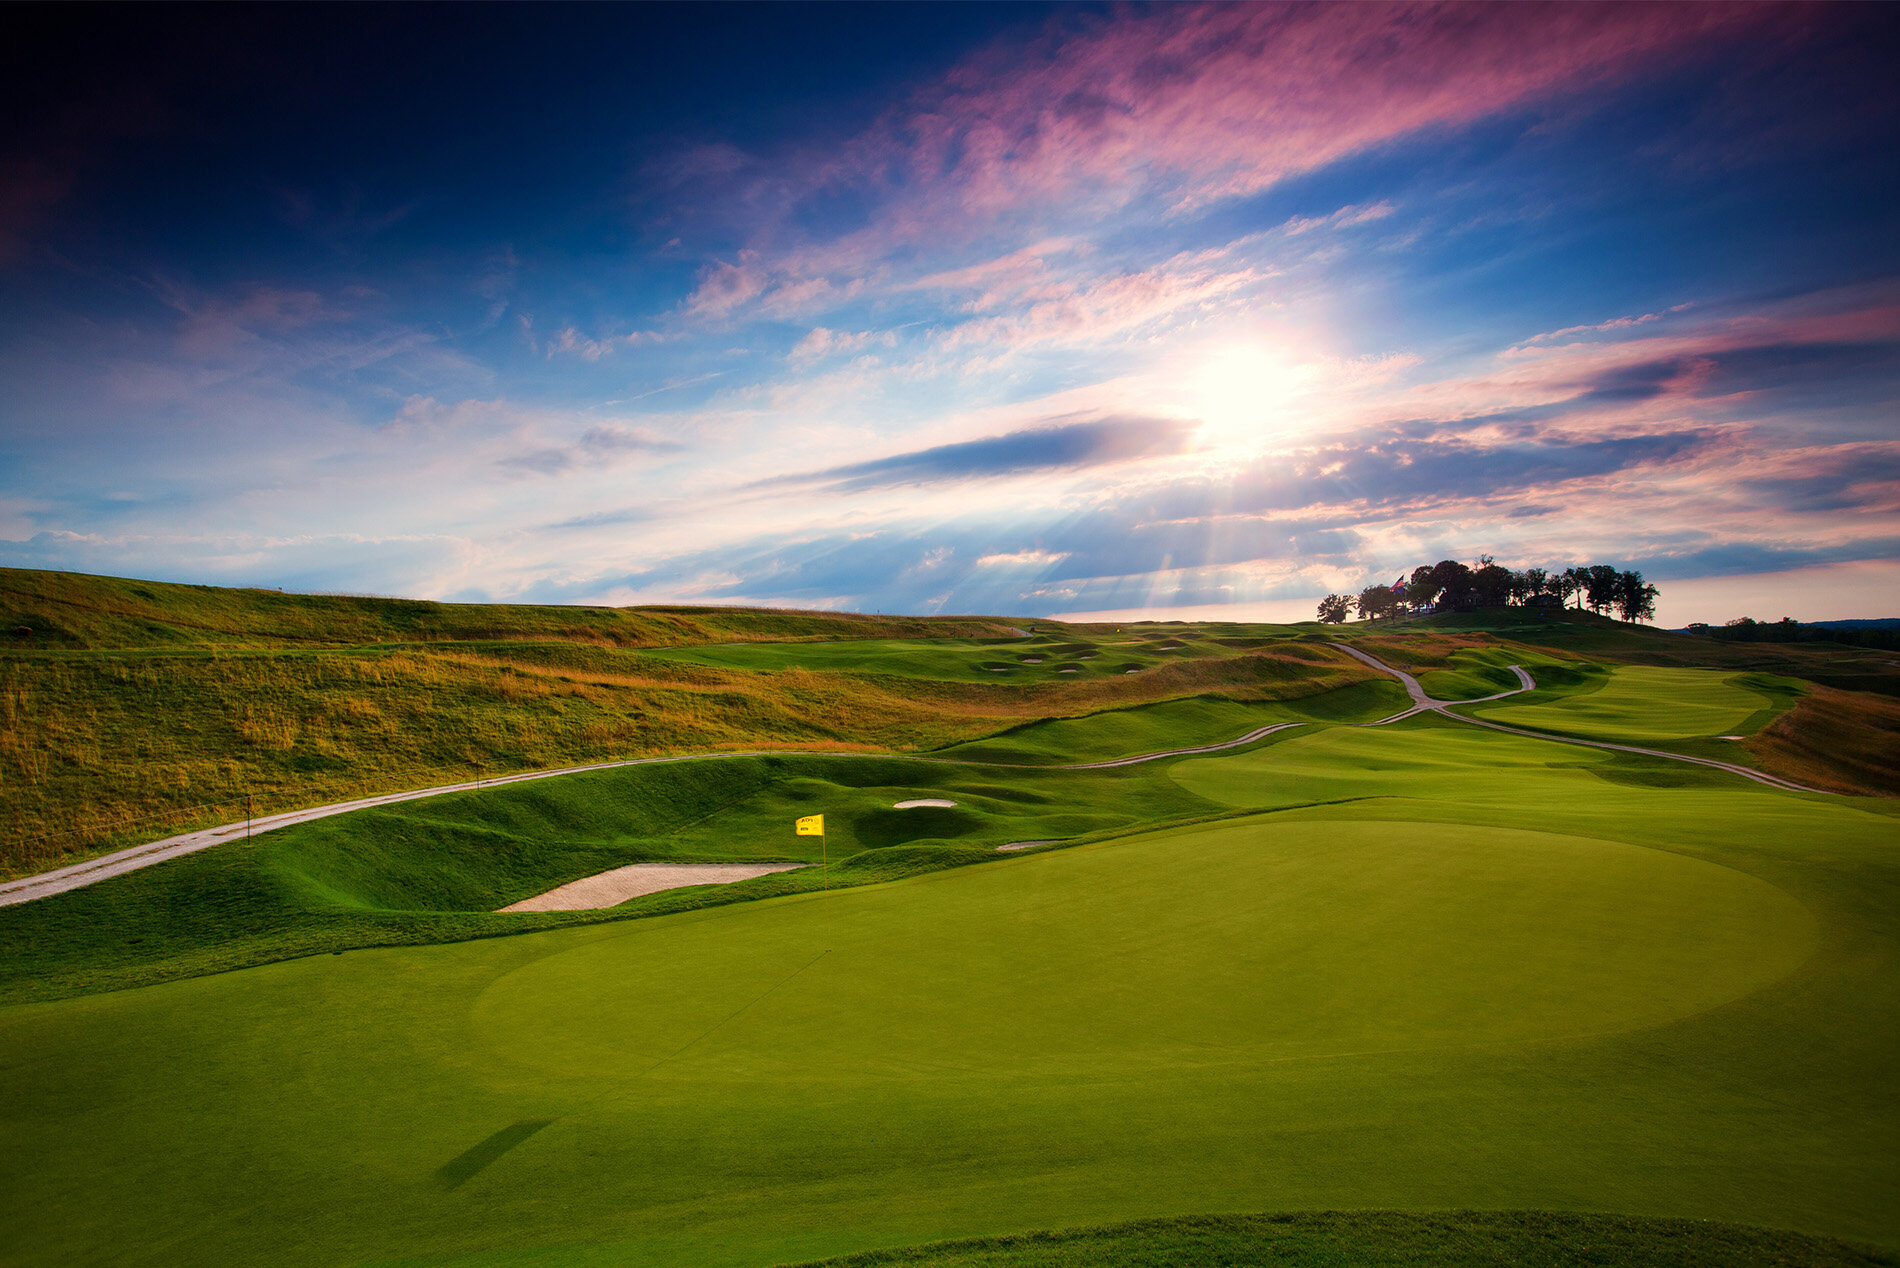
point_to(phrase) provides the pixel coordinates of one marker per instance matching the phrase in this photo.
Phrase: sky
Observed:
(1192, 311)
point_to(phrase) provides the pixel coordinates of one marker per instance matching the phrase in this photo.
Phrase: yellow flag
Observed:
(811, 826)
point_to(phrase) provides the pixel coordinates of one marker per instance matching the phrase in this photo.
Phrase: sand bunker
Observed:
(1032, 660)
(921, 801)
(1023, 845)
(610, 889)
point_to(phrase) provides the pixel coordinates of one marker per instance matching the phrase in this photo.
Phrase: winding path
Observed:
(1422, 703)
(59, 880)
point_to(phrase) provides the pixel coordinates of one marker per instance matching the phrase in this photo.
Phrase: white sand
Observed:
(1023, 845)
(921, 801)
(610, 889)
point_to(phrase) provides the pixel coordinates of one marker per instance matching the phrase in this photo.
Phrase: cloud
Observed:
(598, 446)
(571, 341)
(1022, 559)
(1151, 112)
(1344, 218)
(821, 342)
(1741, 558)
(603, 519)
(1062, 445)
(725, 285)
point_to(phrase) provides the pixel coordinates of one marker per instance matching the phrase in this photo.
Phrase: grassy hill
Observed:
(1450, 985)
(43, 610)
(131, 710)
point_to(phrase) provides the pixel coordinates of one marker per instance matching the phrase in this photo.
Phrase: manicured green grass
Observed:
(1053, 655)
(1177, 724)
(1638, 704)
(955, 660)
(430, 870)
(1495, 973)
(1478, 672)
(1350, 1239)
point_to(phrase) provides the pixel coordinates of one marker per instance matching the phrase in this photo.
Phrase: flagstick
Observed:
(824, 877)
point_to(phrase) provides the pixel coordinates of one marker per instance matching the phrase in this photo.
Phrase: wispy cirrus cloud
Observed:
(1170, 109)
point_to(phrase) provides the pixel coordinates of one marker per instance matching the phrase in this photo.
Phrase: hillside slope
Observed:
(131, 710)
(77, 610)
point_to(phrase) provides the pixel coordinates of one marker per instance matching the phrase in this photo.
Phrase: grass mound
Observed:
(1175, 724)
(1637, 704)
(1352, 1239)
(434, 870)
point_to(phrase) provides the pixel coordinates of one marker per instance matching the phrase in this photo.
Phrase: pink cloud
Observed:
(1191, 104)
(725, 286)
(1037, 310)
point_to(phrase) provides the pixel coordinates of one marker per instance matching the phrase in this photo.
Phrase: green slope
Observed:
(1494, 973)
(1637, 704)
(1352, 1239)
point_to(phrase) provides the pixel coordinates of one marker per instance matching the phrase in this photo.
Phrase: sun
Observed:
(1245, 393)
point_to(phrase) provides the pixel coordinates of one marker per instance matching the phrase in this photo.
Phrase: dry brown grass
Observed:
(1845, 741)
(103, 750)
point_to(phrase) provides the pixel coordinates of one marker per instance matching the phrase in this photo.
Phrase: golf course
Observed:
(1342, 993)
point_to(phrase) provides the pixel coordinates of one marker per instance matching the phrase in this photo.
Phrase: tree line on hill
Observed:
(1788, 630)
(1450, 586)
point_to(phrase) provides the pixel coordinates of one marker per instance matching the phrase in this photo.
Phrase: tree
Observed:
(1599, 586)
(1334, 608)
(1453, 580)
(1491, 586)
(1534, 584)
(1376, 601)
(1634, 597)
(1570, 585)
(1422, 590)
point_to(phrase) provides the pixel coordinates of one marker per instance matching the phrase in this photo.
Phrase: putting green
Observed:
(1228, 944)
(1640, 704)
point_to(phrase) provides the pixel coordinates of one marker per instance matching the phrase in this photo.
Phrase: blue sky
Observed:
(991, 308)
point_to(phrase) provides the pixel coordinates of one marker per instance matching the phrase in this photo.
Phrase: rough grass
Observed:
(106, 749)
(1840, 740)
(75, 610)
(1349, 1239)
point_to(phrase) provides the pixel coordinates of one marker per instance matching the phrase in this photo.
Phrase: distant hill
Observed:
(79, 610)
(1879, 623)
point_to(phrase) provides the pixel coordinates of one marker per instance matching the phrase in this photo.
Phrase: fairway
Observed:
(1489, 975)
(1640, 704)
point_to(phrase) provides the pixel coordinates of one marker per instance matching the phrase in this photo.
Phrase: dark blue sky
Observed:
(779, 302)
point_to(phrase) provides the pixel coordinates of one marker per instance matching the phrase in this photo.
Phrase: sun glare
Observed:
(1246, 393)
